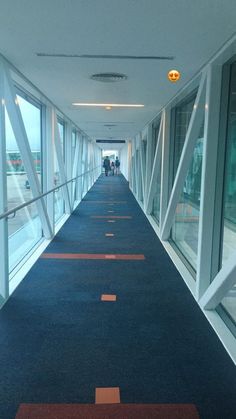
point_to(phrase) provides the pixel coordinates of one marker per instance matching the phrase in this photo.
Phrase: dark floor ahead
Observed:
(59, 341)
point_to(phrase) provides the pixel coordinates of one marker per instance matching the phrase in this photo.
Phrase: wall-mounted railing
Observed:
(12, 212)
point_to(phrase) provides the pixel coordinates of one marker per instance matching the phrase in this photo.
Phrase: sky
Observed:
(31, 118)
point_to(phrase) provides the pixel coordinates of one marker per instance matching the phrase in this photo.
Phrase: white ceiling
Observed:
(191, 31)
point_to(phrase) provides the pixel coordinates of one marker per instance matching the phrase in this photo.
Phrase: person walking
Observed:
(117, 166)
(112, 168)
(106, 165)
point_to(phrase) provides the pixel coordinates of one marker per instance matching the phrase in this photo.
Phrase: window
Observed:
(182, 115)
(24, 230)
(185, 227)
(229, 196)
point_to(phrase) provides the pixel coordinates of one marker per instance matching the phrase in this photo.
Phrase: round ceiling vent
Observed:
(108, 77)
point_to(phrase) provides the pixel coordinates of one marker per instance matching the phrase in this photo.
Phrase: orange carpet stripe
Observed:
(125, 217)
(114, 410)
(92, 256)
(108, 297)
(107, 395)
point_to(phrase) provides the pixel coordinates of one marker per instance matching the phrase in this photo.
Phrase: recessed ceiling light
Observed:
(108, 77)
(112, 105)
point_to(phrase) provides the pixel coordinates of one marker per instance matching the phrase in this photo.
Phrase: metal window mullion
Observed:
(94, 148)
(68, 159)
(129, 160)
(85, 189)
(93, 163)
(75, 168)
(223, 282)
(136, 177)
(48, 156)
(131, 173)
(139, 175)
(87, 167)
(80, 167)
(186, 156)
(134, 174)
(23, 144)
(148, 161)
(142, 167)
(83, 168)
(134, 167)
(208, 180)
(90, 165)
(61, 165)
(137, 168)
(99, 162)
(85, 157)
(4, 260)
(155, 168)
(165, 164)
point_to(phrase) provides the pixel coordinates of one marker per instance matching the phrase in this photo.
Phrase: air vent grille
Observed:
(108, 77)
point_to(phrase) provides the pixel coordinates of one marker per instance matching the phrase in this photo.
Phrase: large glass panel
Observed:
(229, 203)
(58, 198)
(58, 194)
(229, 303)
(156, 199)
(229, 233)
(183, 114)
(73, 146)
(61, 128)
(155, 133)
(24, 230)
(186, 221)
(31, 115)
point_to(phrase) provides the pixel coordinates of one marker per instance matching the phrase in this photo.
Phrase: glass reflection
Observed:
(229, 303)
(58, 194)
(24, 230)
(229, 203)
(183, 114)
(186, 221)
(229, 234)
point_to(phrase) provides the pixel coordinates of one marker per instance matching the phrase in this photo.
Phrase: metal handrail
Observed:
(25, 204)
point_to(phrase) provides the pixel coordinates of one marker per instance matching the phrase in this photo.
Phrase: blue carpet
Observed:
(58, 341)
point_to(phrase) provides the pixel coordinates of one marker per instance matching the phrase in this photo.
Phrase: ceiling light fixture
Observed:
(110, 105)
(107, 56)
